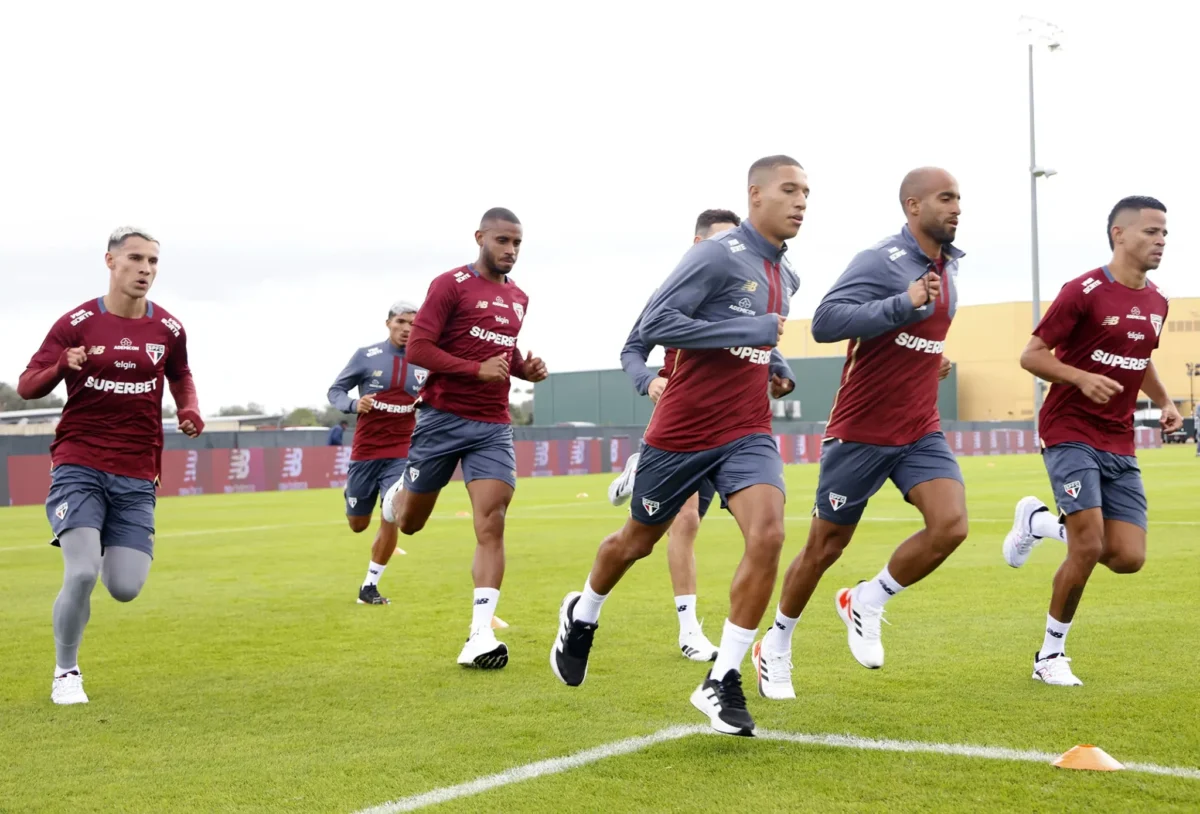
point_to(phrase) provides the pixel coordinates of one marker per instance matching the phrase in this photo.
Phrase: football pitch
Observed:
(245, 677)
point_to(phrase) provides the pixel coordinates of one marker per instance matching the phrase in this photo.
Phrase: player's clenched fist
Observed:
(535, 368)
(925, 290)
(656, 389)
(75, 357)
(1099, 388)
(365, 405)
(493, 370)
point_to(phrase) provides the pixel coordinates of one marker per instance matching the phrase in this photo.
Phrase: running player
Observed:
(894, 303)
(466, 336)
(681, 535)
(387, 388)
(724, 308)
(114, 353)
(1093, 346)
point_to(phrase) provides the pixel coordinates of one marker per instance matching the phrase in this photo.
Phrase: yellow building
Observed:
(985, 342)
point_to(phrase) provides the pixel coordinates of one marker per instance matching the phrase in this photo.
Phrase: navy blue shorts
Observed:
(119, 507)
(665, 480)
(851, 473)
(367, 481)
(707, 490)
(1083, 477)
(441, 440)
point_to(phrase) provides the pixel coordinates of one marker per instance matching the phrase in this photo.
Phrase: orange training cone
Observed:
(497, 623)
(1088, 757)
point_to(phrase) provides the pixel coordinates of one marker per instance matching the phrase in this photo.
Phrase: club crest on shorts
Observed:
(1073, 488)
(61, 511)
(155, 352)
(836, 501)
(351, 502)
(651, 506)
(413, 474)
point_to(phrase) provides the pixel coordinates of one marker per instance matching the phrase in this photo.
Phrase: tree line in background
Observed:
(521, 412)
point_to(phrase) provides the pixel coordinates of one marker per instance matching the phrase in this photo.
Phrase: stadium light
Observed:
(1039, 33)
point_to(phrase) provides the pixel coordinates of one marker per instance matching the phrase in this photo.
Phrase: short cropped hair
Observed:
(771, 162)
(401, 307)
(123, 233)
(1134, 203)
(498, 213)
(711, 217)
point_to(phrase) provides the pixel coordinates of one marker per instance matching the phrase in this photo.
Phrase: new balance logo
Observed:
(781, 627)
(1073, 488)
(1110, 321)
(1054, 633)
(482, 601)
(886, 589)
(681, 608)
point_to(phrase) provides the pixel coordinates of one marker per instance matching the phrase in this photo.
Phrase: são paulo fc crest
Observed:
(1156, 321)
(651, 506)
(520, 311)
(836, 501)
(61, 511)
(413, 474)
(421, 375)
(155, 352)
(351, 502)
(1073, 488)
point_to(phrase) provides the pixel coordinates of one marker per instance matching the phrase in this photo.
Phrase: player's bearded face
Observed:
(399, 327)
(783, 200)
(133, 266)
(500, 245)
(939, 215)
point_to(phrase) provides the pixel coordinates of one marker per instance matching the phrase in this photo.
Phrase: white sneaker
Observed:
(1055, 670)
(622, 486)
(1020, 542)
(696, 646)
(68, 689)
(774, 672)
(482, 650)
(862, 627)
(389, 499)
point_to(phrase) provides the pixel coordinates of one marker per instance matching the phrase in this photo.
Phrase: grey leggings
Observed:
(124, 571)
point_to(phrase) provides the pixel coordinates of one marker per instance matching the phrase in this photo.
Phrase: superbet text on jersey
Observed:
(112, 420)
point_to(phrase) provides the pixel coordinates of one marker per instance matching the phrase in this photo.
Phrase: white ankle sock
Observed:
(374, 574)
(735, 641)
(59, 672)
(685, 606)
(1045, 524)
(1055, 640)
(878, 590)
(779, 637)
(484, 609)
(587, 608)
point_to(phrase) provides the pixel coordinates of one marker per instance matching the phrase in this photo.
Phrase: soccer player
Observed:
(894, 303)
(466, 337)
(387, 386)
(114, 353)
(723, 309)
(681, 535)
(1093, 346)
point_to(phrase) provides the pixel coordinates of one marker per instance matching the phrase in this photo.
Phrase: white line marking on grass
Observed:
(558, 765)
(529, 771)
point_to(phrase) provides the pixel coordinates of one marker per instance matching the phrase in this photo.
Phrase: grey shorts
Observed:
(665, 480)
(851, 473)
(367, 481)
(119, 507)
(442, 440)
(1083, 477)
(707, 490)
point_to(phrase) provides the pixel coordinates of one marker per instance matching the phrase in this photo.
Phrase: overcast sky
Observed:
(304, 165)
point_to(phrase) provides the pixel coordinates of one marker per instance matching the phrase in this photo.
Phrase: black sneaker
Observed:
(725, 704)
(369, 595)
(569, 654)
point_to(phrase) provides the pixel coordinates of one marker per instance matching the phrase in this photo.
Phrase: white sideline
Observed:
(623, 747)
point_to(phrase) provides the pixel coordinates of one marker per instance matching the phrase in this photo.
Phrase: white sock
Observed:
(879, 590)
(735, 641)
(779, 637)
(587, 607)
(1055, 640)
(685, 606)
(484, 609)
(59, 672)
(1045, 524)
(374, 574)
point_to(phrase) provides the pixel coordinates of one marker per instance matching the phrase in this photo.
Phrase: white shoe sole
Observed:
(700, 701)
(756, 660)
(1018, 532)
(494, 659)
(615, 489)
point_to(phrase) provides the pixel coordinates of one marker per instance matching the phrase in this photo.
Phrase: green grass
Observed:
(245, 678)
